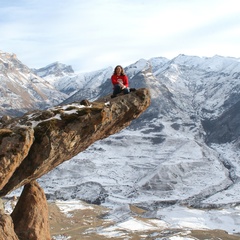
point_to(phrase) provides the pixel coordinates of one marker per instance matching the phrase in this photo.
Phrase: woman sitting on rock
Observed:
(119, 81)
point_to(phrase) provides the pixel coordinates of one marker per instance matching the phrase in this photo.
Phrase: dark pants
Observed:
(117, 89)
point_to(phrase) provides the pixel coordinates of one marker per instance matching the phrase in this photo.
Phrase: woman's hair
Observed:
(122, 70)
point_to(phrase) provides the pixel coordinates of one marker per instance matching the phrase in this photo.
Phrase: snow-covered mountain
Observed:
(183, 151)
(55, 70)
(167, 143)
(21, 90)
(162, 160)
(83, 85)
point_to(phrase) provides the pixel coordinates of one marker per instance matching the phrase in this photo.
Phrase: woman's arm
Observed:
(125, 81)
(114, 79)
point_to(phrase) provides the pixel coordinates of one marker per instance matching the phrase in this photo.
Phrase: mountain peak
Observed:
(22, 90)
(56, 69)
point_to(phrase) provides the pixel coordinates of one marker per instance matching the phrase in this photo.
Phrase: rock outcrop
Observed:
(6, 227)
(36, 143)
(14, 147)
(31, 220)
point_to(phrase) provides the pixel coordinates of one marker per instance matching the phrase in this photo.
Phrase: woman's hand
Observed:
(121, 84)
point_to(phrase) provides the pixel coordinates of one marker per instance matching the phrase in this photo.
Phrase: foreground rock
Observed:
(61, 133)
(30, 216)
(14, 147)
(6, 227)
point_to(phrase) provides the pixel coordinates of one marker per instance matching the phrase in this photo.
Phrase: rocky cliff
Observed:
(36, 143)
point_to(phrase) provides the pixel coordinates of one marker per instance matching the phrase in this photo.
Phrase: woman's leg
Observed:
(116, 89)
(126, 90)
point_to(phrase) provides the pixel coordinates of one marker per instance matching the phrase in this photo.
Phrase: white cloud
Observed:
(94, 34)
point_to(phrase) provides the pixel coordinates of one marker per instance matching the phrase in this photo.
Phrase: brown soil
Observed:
(86, 225)
(76, 226)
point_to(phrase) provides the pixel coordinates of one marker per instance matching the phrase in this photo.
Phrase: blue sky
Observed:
(94, 34)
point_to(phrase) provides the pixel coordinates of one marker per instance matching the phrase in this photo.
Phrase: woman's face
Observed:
(118, 70)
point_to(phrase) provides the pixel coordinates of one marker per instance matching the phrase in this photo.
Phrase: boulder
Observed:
(30, 216)
(14, 147)
(6, 227)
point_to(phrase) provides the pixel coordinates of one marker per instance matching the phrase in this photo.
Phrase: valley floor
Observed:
(78, 220)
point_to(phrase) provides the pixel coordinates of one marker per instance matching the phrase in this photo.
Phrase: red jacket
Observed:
(124, 79)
